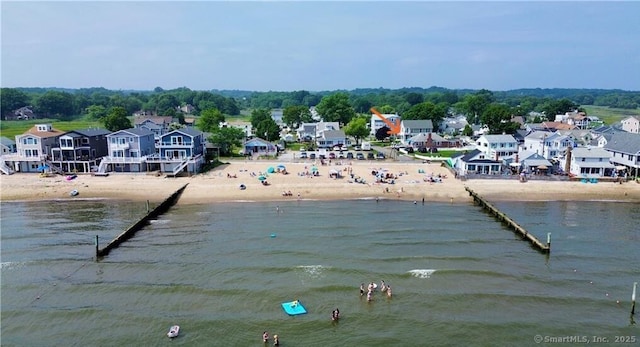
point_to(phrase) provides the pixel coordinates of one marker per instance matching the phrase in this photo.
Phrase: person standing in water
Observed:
(388, 291)
(265, 337)
(383, 286)
(276, 341)
(362, 289)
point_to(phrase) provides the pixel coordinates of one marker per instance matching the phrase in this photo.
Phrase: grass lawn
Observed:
(11, 128)
(610, 115)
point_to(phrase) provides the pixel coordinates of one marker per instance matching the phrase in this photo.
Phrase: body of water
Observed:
(221, 271)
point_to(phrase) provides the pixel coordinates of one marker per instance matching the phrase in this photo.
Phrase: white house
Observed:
(258, 146)
(376, 123)
(476, 162)
(624, 149)
(631, 125)
(497, 146)
(588, 162)
(331, 138)
(547, 144)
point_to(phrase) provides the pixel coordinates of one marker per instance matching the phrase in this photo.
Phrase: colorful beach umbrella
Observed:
(262, 178)
(314, 168)
(281, 167)
(43, 167)
(271, 169)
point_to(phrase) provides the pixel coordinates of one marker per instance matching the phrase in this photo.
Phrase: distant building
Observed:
(631, 125)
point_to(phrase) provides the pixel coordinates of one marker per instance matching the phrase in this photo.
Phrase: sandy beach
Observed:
(223, 184)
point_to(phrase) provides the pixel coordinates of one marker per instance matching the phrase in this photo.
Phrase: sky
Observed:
(319, 46)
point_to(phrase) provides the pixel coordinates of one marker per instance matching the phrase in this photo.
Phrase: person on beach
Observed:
(362, 289)
(265, 337)
(276, 341)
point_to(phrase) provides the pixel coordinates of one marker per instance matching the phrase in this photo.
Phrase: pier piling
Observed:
(151, 214)
(511, 223)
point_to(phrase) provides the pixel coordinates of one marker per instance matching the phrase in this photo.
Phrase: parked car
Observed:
(370, 155)
(409, 149)
(380, 156)
(349, 155)
(332, 155)
(341, 155)
(303, 155)
(360, 156)
(356, 148)
(312, 156)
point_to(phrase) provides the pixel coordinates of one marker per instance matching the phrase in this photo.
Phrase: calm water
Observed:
(458, 276)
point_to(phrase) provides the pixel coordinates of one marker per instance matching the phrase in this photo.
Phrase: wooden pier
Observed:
(544, 248)
(127, 234)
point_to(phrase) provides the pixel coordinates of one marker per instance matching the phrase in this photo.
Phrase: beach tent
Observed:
(281, 167)
(262, 178)
(270, 169)
(314, 169)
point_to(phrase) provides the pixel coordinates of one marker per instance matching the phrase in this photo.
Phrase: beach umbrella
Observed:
(271, 169)
(281, 167)
(43, 167)
(262, 178)
(314, 169)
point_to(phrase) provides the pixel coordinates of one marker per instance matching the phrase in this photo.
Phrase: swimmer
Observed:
(276, 341)
(383, 286)
(369, 296)
(294, 303)
(388, 291)
(362, 289)
(265, 337)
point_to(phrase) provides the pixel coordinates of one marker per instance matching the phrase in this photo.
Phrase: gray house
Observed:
(625, 152)
(129, 150)
(80, 150)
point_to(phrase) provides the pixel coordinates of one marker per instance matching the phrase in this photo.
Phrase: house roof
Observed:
(499, 138)
(155, 119)
(418, 123)
(590, 152)
(187, 131)
(422, 137)
(43, 134)
(333, 133)
(7, 141)
(624, 142)
(557, 126)
(471, 155)
(89, 132)
(133, 131)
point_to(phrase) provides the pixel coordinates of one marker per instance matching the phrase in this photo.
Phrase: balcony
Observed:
(175, 145)
(118, 146)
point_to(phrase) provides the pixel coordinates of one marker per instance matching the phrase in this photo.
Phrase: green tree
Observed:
(357, 128)
(467, 131)
(473, 105)
(427, 110)
(336, 108)
(12, 99)
(96, 112)
(55, 103)
(209, 120)
(293, 116)
(414, 98)
(268, 129)
(226, 138)
(498, 118)
(258, 115)
(117, 119)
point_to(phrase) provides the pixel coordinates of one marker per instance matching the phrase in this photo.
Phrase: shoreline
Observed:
(222, 184)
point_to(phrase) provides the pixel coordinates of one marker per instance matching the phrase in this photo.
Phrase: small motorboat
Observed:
(174, 331)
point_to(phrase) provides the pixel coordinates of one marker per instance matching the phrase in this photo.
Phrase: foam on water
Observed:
(422, 273)
(11, 265)
(315, 271)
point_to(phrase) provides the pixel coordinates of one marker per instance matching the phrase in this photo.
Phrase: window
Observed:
(176, 140)
(582, 159)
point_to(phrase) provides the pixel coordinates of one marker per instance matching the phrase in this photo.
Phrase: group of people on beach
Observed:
(371, 288)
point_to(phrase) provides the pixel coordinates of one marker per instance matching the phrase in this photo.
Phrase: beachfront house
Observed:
(476, 162)
(549, 145)
(259, 147)
(631, 125)
(181, 150)
(624, 149)
(533, 163)
(497, 147)
(129, 150)
(413, 127)
(588, 162)
(80, 150)
(158, 125)
(376, 123)
(33, 149)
